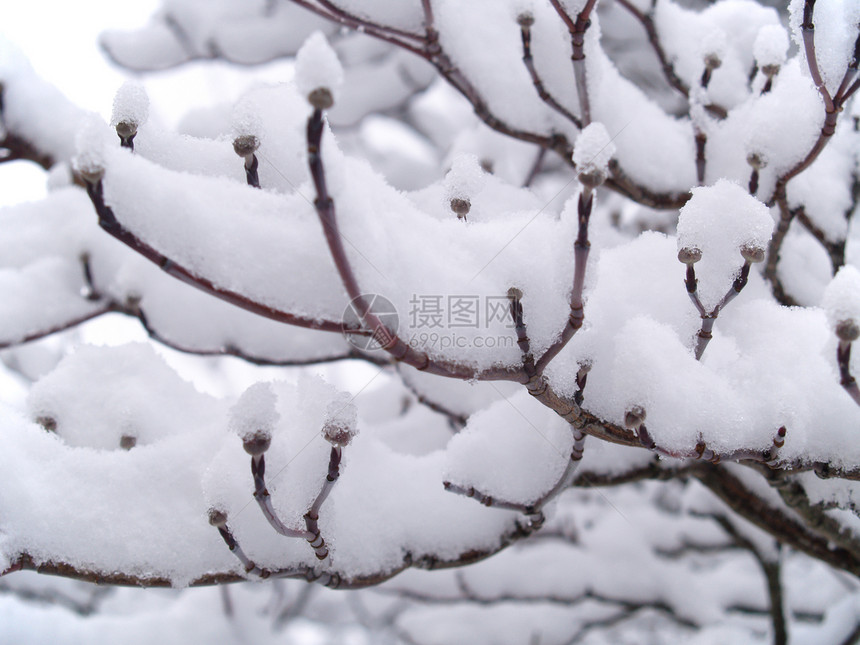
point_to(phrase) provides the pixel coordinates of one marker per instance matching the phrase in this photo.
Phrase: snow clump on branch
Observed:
(319, 74)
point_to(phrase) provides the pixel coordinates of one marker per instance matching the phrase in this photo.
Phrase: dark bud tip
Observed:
(48, 423)
(245, 145)
(770, 70)
(132, 303)
(712, 61)
(321, 98)
(257, 443)
(515, 294)
(847, 330)
(126, 129)
(461, 207)
(127, 442)
(338, 434)
(752, 254)
(634, 417)
(592, 178)
(689, 255)
(217, 517)
(92, 175)
(756, 160)
(526, 19)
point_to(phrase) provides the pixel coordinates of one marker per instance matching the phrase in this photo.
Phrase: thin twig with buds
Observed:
(833, 104)
(218, 519)
(581, 249)
(313, 515)
(690, 256)
(577, 29)
(847, 331)
(325, 207)
(525, 21)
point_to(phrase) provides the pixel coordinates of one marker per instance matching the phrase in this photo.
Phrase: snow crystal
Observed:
(317, 66)
(130, 105)
(593, 149)
(770, 46)
(255, 411)
(841, 300)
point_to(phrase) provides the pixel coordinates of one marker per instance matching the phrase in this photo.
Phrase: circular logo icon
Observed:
(361, 330)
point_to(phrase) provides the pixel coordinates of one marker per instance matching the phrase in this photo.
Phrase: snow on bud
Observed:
(130, 109)
(523, 12)
(728, 228)
(634, 417)
(769, 49)
(841, 303)
(466, 177)
(319, 74)
(247, 128)
(689, 255)
(89, 162)
(592, 152)
(254, 416)
(713, 48)
(723, 215)
(757, 160)
(340, 424)
(217, 517)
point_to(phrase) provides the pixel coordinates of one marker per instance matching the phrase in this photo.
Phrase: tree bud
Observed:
(217, 517)
(847, 330)
(245, 145)
(770, 70)
(592, 178)
(756, 160)
(257, 443)
(689, 255)
(752, 254)
(321, 98)
(338, 434)
(634, 417)
(126, 129)
(461, 207)
(526, 19)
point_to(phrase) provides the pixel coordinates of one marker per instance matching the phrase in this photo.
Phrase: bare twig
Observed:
(525, 21)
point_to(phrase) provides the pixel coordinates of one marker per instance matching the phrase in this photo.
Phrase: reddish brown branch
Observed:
(388, 339)
(789, 530)
(109, 222)
(525, 22)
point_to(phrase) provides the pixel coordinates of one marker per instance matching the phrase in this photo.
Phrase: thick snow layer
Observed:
(515, 450)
